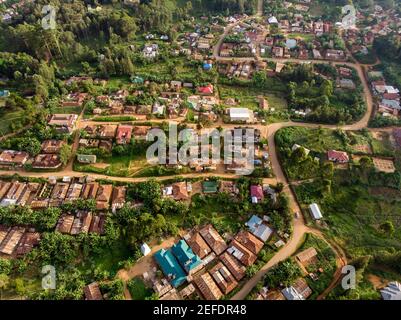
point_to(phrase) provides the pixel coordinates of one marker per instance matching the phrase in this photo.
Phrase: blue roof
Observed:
(186, 256)
(254, 222)
(170, 267)
(207, 66)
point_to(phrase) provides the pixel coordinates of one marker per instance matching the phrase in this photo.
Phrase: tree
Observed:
(388, 227)
(4, 282)
(65, 153)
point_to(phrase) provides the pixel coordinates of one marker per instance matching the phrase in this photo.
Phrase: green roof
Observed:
(209, 186)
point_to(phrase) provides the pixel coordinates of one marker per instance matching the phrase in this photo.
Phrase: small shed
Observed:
(145, 249)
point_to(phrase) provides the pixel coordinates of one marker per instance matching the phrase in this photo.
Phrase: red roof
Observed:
(391, 96)
(338, 156)
(124, 133)
(257, 191)
(206, 90)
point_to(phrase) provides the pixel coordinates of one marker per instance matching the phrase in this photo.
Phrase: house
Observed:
(123, 134)
(197, 244)
(10, 242)
(170, 267)
(246, 257)
(208, 288)
(92, 292)
(86, 158)
(74, 192)
(52, 146)
(46, 161)
(103, 196)
(233, 265)
(223, 277)
(13, 194)
(392, 291)
(258, 228)
(209, 187)
(4, 187)
(13, 158)
(90, 190)
(140, 133)
(240, 114)
(315, 211)
(180, 191)
(64, 123)
(74, 99)
(185, 256)
(97, 224)
(337, 156)
(272, 20)
(145, 249)
(291, 294)
(347, 84)
(278, 52)
(332, 54)
(301, 286)
(3, 232)
(162, 287)
(307, 256)
(257, 194)
(28, 241)
(118, 197)
(82, 222)
(58, 194)
(228, 187)
(206, 90)
(213, 239)
(249, 241)
(107, 131)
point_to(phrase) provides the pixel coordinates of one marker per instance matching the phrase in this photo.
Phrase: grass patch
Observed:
(138, 289)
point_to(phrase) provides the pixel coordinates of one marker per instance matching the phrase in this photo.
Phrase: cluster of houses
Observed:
(48, 158)
(387, 96)
(81, 222)
(54, 193)
(105, 135)
(196, 44)
(283, 47)
(17, 241)
(188, 261)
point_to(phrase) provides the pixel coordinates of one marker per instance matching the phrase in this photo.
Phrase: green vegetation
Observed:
(138, 289)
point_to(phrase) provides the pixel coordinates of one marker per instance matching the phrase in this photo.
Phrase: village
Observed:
(273, 223)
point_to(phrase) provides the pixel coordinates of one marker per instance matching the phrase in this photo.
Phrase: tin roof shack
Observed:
(58, 194)
(52, 146)
(235, 267)
(13, 158)
(208, 287)
(47, 161)
(213, 239)
(197, 244)
(103, 197)
(29, 240)
(81, 222)
(11, 241)
(246, 257)
(307, 256)
(249, 241)
(4, 187)
(90, 190)
(3, 232)
(97, 224)
(92, 292)
(223, 277)
(63, 123)
(64, 224)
